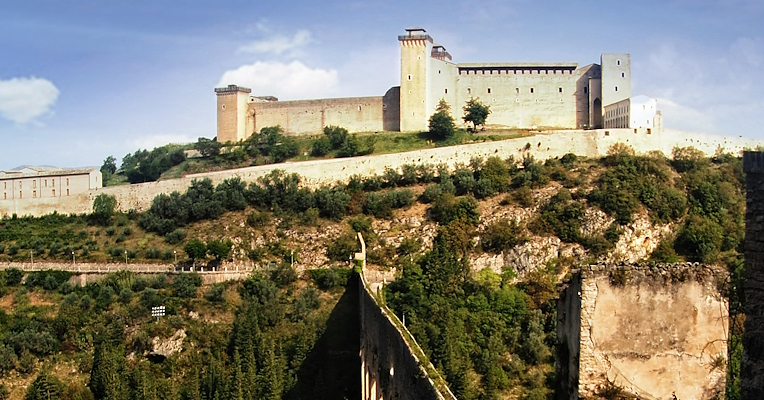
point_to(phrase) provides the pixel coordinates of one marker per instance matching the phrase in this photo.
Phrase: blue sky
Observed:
(83, 80)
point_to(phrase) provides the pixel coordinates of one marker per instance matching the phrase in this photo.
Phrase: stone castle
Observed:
(558, 95)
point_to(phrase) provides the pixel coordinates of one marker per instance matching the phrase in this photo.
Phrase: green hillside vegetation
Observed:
(490, 336)
(272, 336)
(271, 146)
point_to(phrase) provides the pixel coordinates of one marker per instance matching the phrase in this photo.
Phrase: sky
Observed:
(83, 80)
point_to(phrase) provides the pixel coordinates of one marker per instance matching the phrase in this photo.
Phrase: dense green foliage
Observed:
(147, 166)
(275, 346)
(441, 123)
(475, 112)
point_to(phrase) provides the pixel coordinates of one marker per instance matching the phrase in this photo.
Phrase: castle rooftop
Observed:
(232, 89)
(519, 65)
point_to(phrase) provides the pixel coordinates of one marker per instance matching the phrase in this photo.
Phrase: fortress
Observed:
(558, 95)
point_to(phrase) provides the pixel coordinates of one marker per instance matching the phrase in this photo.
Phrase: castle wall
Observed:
(391, 109)
(522, 98)
(389, 367)
(301, 117)
(653, 330)
(752, 367)
(442, 85)
(584, 95)
(589, 143)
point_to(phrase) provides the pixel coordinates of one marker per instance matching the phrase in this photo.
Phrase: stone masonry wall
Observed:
(389, 368)
(301, 117)
(654, 330)
(589, 143)
(752, 368)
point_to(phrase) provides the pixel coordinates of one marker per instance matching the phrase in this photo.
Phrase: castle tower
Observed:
(416, 46)
(232, 113)
(616, 78)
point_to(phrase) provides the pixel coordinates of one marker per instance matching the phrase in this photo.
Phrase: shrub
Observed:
(342, 247)
(110, 231)
(310, 217)
(215, 294)
(464, 180)
(13, 276)
(700, 239)
(409, 245)
(284, 275)
(330, 278)
(321, 147)
(430, 194)
(483, 188)
(400, 198)
(185, 285)
(377, 205)
(447, 209)
(258, 219)
(441, 123)
(501, 235)
(523, 196)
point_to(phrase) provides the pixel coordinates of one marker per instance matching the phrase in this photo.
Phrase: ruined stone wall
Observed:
(587, 143)
(752, 368)
(389, 368)
(652, 330)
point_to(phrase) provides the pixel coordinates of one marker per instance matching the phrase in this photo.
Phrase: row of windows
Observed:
(517, 90)
(34, 194)
(34, 182)
(513, 72)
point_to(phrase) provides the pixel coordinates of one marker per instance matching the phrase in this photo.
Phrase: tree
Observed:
(475, 112)
(103, 208)
(45, 387)
(441, 122)
(185, 285)
(195, 249)
(219, 248)
(108, 168)
(207, 147)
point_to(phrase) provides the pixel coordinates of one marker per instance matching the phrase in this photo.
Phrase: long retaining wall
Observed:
(589, 143)
(84, 273)
(654, 330)
(390, 368)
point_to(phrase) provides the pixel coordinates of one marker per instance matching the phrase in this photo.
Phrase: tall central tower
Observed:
(416, 46)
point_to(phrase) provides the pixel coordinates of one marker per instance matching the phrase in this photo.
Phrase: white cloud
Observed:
(152, 141)
(24, 99)
(278, 44)
(286, 81)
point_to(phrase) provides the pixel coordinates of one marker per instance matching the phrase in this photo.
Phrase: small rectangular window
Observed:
(54, 192)
(34, 194)
(53, 182)
(67, 192)
(623, 74)
(5, 196)
(19, 193)
(489, 90)
(67, 181)
(46, 183)
(559, 90)
(517, 90)
(531, 90)
(616, 88)
(34, 184)
(469, 91)
(408, 77)
(586, 90)
(446, 90)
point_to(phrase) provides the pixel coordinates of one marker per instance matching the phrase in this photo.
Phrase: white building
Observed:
(636, 112)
